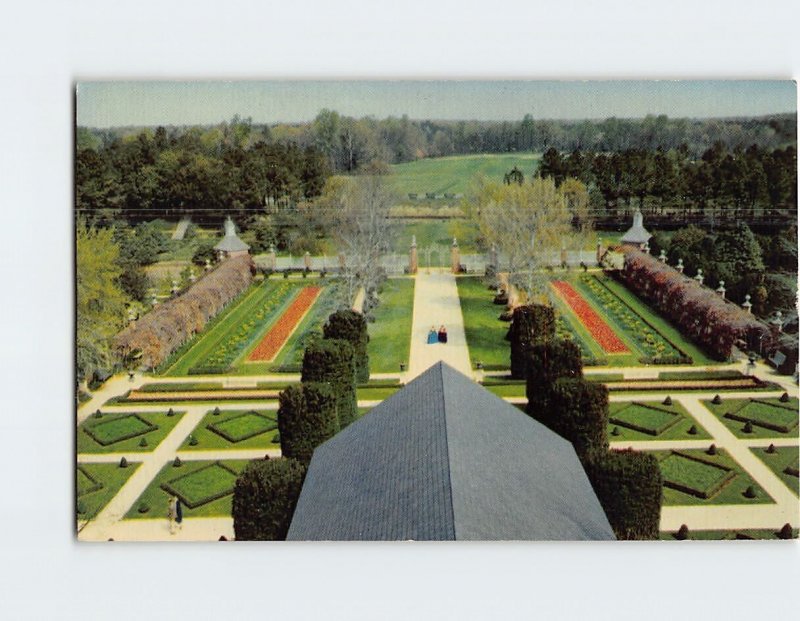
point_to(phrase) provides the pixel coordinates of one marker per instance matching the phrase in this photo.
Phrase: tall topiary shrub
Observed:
(332, 362)
(576, 410)
(530, 324)
(628, 485)
(548, 362)
(264, 499)
(306, 418)
(351, 327)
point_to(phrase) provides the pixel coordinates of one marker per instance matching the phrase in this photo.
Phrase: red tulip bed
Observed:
(597, 327)
(276, 338)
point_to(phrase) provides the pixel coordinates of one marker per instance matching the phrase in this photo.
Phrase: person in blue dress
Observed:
(433, 337)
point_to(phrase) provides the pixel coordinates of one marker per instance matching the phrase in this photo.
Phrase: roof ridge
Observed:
(441, 365)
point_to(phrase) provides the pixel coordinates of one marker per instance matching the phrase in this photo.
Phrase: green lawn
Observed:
(233, 423)
(390, 333)
(436, 234)
(485, 332)
(634, 417)
(455, 174)
(691, 473)
(129, 428)
(210, 481)
(97, 484)
(376, 394)
(770, 411)
(782, 459)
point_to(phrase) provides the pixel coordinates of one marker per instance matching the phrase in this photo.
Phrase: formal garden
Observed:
(105, 432)
(757, 417)
(652, 420)
(783, 461)
(97, 483)
(234, 429)
(706, 477)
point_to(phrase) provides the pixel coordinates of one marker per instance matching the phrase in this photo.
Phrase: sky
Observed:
(111, 104)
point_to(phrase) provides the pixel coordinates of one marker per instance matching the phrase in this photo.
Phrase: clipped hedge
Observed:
(265, 497)
(530, 324)
(351, 327)
(306, 418)
(628, 485)
(332, 362)
(576, 410)
(548, 362)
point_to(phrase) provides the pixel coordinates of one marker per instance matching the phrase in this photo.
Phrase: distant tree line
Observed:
(350, 144)
(722, 183)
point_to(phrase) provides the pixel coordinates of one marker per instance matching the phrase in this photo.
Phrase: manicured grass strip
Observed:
(784, 462)
(635, 421)
(666, 329)
(390, 333)
(279, 333)
(484, 331)
(156, 499)
(769, 418)
(243, 427)
(107, 478)
(124, 432)
(507, 390)
(692, 468)
(375, 394)
(596, 325)
(252, 433)
(202, 485)
(694, 475)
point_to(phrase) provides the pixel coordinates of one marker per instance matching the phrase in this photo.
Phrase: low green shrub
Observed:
(716, 400)
(193, 441)
(177, 463)
(683, 533)
(143, 442)
(750, 492)
(143, 507)
(786, 532)
(123, 463)
(712, 450)
(692, 430)
(667, 401)
(784, 397)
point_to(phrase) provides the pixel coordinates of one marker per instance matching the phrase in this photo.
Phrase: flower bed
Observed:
(275, 339)
(233, 345)
(656, 348)
(597, 327)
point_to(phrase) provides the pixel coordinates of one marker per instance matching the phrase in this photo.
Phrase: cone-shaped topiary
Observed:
(784, 397)
(683, 533)
(771, 449)
(615, 431)
(143, 507)
(143, 442)
(667, 401)
(177, 463)
(170, 412)
(750, 492)
(98, 414)
(216, 411)
(712, 450)
(693, 430)
(193, 441)
(786, 532)
(716, 400)
(123, 463)
(748, 427)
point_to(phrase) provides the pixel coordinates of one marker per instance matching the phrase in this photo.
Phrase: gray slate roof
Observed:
(445, 459)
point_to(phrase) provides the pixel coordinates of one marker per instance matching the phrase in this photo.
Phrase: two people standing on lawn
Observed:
(437, 337)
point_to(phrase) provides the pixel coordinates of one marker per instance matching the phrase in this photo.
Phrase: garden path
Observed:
(436, 303)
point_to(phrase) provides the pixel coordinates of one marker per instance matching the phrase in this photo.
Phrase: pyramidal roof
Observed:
(231, 242)
(445, 459)
(637, 234)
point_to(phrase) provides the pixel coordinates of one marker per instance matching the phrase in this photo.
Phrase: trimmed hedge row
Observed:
(628, 485)
(306, 418)
(265, 497)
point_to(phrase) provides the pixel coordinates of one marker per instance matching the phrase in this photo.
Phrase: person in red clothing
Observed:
(442, 334)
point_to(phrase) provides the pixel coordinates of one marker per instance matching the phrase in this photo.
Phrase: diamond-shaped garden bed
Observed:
(118, 429)
(645, 418)
(86, 482)
(243, 426)
(203, 485)
(772, 416)
(693, 475)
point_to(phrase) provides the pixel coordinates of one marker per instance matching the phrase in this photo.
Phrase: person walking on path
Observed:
(432, 336)
(178, 513)
(172, 514)
(442, 334)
